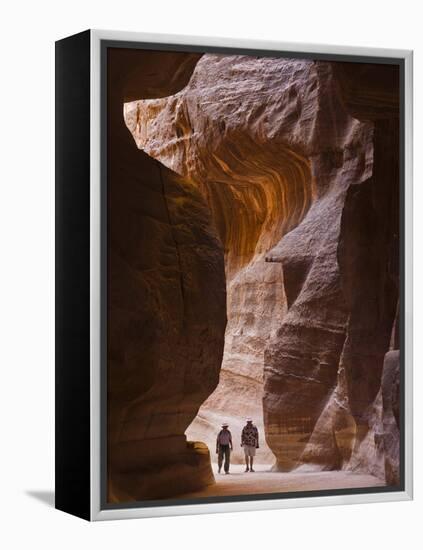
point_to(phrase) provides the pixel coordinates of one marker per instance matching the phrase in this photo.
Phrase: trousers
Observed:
(224, 454)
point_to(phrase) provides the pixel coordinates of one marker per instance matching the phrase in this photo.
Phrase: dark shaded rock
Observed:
(165, 341)
(136, 73)
(370, 91)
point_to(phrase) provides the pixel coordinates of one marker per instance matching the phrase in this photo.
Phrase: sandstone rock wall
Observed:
(344, 425)
(298, 162)
(165, 342)
(217, 133)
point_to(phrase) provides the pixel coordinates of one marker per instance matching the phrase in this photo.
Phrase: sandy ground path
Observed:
(237, 482)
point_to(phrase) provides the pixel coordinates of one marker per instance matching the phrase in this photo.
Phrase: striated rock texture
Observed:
(344, 357)
(225, 133)
(165, 341)
(298, 162)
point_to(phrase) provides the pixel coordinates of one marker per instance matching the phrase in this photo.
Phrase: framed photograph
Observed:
(233, 275)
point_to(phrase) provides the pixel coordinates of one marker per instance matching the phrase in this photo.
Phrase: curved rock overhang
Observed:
(299, 168)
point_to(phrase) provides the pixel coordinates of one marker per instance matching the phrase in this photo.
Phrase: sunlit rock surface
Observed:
(299, 167)
(226, 132)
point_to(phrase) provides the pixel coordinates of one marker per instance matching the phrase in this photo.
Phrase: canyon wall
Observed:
(298, 163)
(217, 134)
(326, 363)
(165, 342)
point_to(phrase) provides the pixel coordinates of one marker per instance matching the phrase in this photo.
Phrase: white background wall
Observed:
(27, 37)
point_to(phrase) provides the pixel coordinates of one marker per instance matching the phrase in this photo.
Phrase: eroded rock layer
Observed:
(299, 167)
(165, 342)
(335, 376)
(217, 133)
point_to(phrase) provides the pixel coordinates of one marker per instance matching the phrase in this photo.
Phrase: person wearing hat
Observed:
(224, 448)
(250, 442)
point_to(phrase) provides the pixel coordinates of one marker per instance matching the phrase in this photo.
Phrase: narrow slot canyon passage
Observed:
(247, 208)
(255, 194)
(254, 268)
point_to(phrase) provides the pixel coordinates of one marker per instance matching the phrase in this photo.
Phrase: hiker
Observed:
(224, 448)
(250, 442)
